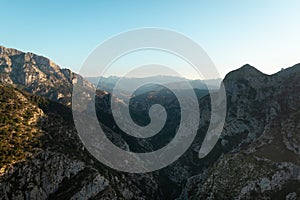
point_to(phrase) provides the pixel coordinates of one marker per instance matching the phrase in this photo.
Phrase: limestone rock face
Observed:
(262, 140)
(38, 75)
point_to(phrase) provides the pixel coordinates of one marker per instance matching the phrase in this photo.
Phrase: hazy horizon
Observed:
(148, 75)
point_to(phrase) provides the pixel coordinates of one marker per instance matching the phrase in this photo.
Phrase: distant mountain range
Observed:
(42, 157)
(108, 83)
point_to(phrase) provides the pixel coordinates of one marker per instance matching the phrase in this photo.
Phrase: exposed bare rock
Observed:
(39, 75)
(262, 136)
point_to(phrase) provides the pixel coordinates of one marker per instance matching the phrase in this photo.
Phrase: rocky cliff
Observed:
(38, 75)
(261, 139)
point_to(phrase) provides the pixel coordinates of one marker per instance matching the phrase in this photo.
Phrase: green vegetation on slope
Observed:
(19, 134)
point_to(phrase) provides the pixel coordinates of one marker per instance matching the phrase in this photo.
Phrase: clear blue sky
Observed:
(264, 33)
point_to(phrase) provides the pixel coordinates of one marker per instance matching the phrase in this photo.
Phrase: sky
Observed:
(263, 33)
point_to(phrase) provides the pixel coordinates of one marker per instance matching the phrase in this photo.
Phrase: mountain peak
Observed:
(245, 72)
(249, 68)
(38, 75)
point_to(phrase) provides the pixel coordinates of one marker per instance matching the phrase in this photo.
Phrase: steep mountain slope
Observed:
(262, 137)
(43, 158)
(38, 75)
(41, 154)
(18, 126)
